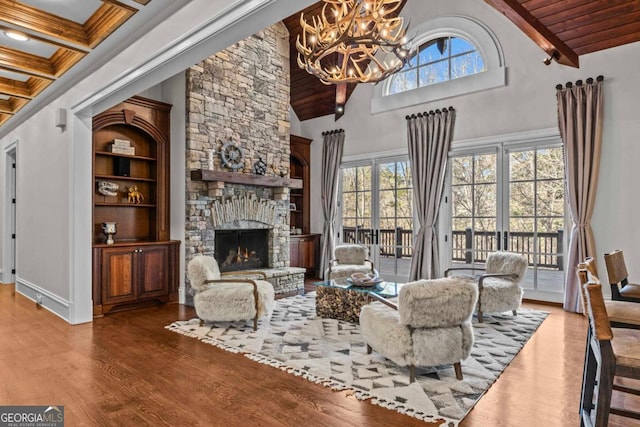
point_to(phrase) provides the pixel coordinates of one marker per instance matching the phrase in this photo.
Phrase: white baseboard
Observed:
(1, 275)
(50, 301)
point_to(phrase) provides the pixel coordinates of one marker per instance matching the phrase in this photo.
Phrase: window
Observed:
(458, 55)
(438, 60)
(377, 211)
(507, 193)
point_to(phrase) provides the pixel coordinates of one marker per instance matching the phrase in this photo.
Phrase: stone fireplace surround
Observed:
(241, 94)
(241, 207)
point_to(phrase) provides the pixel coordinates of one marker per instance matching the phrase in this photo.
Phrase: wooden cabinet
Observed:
(304, 251)
(132, 275)
(141, 266)
(299, 168)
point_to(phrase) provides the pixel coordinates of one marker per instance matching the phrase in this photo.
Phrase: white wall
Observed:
(55, 188)
(527, 103)
(172, 91)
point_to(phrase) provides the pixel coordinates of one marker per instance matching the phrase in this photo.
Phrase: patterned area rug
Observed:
(333, 353)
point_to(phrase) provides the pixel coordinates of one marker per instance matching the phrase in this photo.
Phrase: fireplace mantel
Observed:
(244, 178)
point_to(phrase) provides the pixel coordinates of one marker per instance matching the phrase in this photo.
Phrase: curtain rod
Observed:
(432, 112)
(589, 81)
(330, 132)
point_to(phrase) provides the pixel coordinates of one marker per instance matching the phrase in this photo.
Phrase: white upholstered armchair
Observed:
(430, 325)
(499, 285)
(349, 259)
(230, 296)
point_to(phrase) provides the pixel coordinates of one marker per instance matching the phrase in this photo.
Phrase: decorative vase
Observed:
(109, 229)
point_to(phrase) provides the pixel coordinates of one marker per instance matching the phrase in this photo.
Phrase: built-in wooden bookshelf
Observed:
(141, 267)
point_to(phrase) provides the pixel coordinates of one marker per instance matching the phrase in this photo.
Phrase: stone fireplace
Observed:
(241, 94)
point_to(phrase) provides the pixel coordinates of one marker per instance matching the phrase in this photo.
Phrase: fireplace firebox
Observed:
(241, 249)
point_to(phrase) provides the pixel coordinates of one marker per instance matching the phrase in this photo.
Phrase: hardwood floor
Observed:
(126, 369)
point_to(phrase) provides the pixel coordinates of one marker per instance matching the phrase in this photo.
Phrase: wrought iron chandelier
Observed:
(353, 41)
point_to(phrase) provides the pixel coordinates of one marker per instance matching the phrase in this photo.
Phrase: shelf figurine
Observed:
(134, 195)
(109, 229)
(107, 188)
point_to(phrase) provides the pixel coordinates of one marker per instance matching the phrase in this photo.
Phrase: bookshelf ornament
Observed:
(109, 229)
(134, 196)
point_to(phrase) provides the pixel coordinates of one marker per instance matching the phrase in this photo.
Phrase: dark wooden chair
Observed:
(610, 353)
(622, 314)
(621, 289)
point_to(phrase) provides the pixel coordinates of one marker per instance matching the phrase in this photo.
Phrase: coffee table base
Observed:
(340, 304)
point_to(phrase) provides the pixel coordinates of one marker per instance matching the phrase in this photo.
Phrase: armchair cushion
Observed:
(227, 302)
(381, 327)
(500, 295)
(437, 303)
(351, 254)
(453, 345)
(200, 269)
(507, 263)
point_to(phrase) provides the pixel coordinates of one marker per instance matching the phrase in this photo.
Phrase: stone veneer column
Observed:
(239, 94)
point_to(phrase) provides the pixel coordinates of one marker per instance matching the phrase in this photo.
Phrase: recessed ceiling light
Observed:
(16, 36)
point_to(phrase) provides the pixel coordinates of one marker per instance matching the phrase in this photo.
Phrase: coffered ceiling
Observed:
(53, 36)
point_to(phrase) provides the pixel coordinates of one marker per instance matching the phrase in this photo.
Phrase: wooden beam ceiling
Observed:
(574, 27)
(539, 33)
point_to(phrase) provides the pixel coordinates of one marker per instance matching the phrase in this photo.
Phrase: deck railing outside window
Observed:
(541, 249)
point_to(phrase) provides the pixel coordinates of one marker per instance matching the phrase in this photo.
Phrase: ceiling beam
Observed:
(5, 106)
(109, 16)
(25, 62)
(64, 59)
(38, 21)
(12, 105)
(15, 88)
(536, 31)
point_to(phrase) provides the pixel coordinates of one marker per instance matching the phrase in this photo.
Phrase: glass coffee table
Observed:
(344, 301)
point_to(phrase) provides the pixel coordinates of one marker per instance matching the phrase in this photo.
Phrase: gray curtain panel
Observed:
(331, 156)
(429, 136)
(580, 113)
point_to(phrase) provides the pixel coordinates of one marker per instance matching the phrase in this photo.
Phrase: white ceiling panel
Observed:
(74, 10)
(31, 46)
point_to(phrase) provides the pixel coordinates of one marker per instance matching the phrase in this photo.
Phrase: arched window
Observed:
(438, 60)
(457, 55)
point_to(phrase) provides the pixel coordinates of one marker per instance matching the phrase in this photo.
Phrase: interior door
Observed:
(377, 210)
(511, 198)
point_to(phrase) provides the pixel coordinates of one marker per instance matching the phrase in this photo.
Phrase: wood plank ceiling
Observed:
(565, 30)
(58, 38)
(310, 97)
(571, 28)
